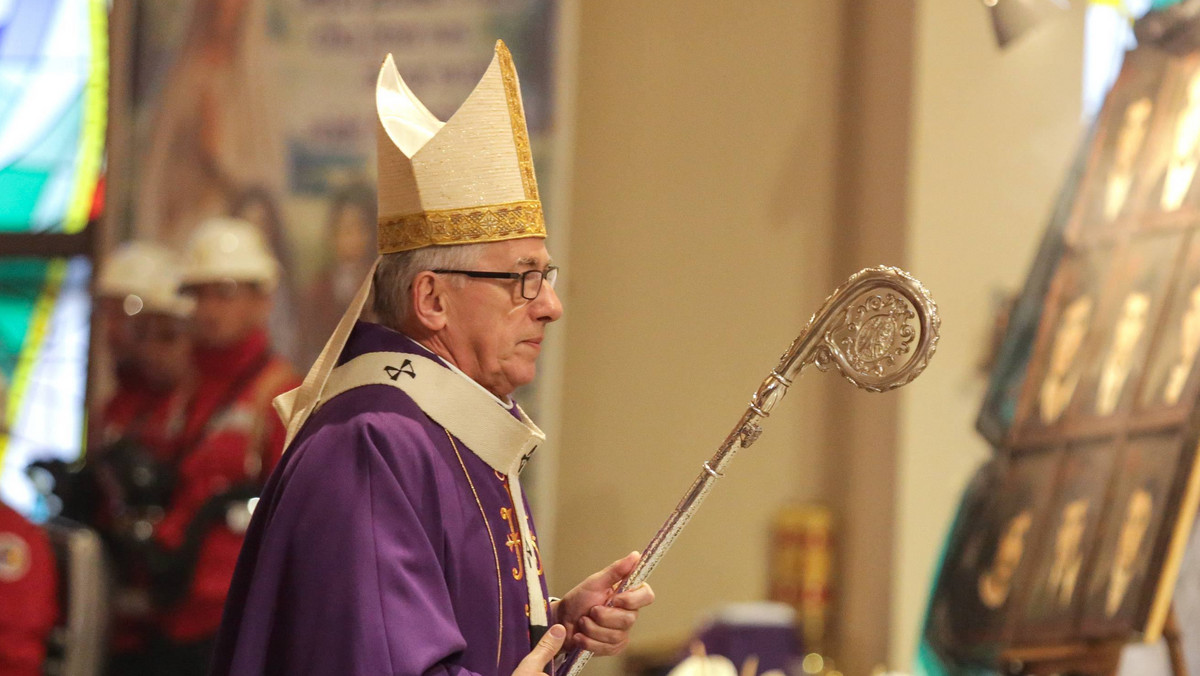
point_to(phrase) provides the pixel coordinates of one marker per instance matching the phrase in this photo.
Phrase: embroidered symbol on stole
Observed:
(513, 542)
(527, 557)
(405, 368)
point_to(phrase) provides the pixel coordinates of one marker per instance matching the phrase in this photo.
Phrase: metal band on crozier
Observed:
(491, 223)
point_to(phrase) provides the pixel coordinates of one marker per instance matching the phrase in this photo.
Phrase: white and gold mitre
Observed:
(469, 179)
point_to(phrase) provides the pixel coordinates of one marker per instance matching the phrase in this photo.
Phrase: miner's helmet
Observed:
(143, 277)
(225, 249)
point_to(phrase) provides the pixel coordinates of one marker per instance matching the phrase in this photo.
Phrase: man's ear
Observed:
(428, 301)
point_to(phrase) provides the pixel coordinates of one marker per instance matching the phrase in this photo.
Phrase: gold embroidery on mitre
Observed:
(516, 115)
(461, 226)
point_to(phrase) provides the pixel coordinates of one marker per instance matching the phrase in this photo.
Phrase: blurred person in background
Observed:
(28, 594)
(119, 277)
(134, 465)
(228, 441)
(28, 588)
(141, 281)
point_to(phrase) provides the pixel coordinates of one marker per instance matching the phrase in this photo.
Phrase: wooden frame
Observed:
(1068, 336)
(1102, 447)
(1124, 128)
(1064, 538)
(1135, 536)
(990, 544)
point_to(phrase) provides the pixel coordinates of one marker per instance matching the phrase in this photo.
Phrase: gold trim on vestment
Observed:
(492, 223)
(492, 538)
(516, 115)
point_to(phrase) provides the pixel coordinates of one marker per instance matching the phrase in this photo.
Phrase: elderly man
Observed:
(394, 536)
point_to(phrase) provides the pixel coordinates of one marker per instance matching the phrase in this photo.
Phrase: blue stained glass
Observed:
(26, 27)
(53, 81)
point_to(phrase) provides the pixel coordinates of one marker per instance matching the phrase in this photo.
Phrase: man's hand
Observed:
(535, 662)
(590, 623)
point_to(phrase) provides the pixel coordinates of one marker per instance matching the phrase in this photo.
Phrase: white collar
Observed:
(451, 399)
(507, 402)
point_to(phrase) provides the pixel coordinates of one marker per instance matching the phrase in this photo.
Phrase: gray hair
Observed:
(396, 271)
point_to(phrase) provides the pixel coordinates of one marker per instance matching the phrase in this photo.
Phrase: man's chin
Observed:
(522, 378)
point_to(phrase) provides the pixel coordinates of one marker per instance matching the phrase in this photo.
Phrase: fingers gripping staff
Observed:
(597, 618)
(879, 329)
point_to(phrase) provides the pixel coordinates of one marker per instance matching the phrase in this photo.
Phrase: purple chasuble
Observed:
(381, 545)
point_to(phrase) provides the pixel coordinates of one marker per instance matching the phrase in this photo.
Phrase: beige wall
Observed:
(872, 197)
(993, 135)
(732, 162)
(701, 228)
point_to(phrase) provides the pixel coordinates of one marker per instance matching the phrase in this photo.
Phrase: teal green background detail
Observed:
(21, 190)
(21, 282)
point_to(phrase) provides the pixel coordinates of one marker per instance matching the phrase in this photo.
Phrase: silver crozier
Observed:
(879, 329)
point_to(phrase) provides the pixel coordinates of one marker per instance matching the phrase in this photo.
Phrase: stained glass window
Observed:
(53, 113)
(53, 101)
(45, 310)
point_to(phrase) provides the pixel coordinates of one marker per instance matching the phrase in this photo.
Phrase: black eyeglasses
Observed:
(531, 280)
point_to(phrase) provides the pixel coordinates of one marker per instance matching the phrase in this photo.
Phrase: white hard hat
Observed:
(228, 249)
(144, 276)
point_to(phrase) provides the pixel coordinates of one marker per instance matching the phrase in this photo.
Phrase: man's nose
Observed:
(547, 305)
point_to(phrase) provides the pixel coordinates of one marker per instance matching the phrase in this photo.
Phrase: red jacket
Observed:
(151, 419)
(28, 594)
(231, 436)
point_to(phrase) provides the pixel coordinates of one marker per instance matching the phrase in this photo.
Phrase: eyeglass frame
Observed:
(542, 276)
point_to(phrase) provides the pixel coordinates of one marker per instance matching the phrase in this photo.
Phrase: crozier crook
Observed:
(879, 329)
